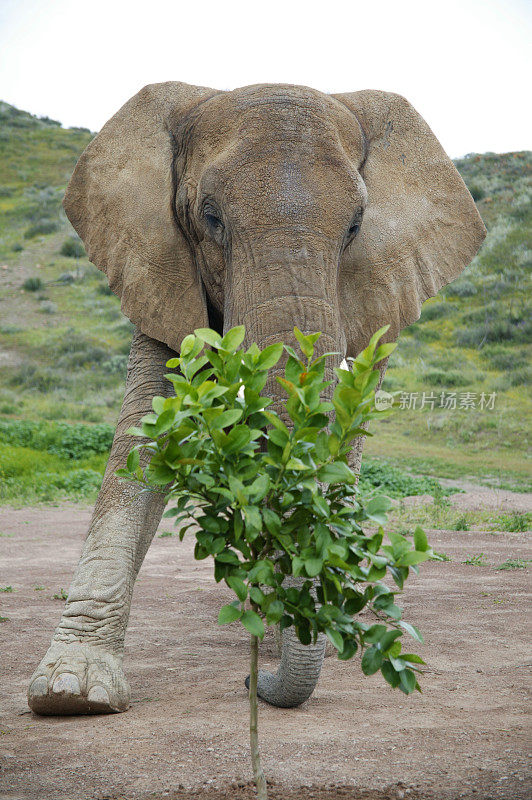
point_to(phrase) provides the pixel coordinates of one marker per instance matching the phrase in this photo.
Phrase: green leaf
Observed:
(420, 540)
(259, 488)
(238, 586)
(187, 345)
(306, 343)
(390, 675)
(408, 681)
(389, 638)
(257, 595)
(253, 623)
(275, 421)
(412, 558)
(278, 437)
(228, 613)
(209, 336)
(270, 356)
(377, 507)
(337, 472)
(322, 446)
(384, 351)
(335, 638)
(412, 658)
(271, 520)
(253, 518)
(372, 660)
(275, 612)
(236, 438)
(412, 630)
(226, 418)
(233, 338)
(350, 648)
(374, 633)
(133, 460)
(313, 566)
(164, 422)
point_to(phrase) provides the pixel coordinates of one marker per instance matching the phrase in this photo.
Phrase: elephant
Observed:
(267, 206)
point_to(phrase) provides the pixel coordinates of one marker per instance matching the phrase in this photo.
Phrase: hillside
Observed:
(64, 341)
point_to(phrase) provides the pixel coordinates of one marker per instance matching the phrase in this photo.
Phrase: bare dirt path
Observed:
(465, 737)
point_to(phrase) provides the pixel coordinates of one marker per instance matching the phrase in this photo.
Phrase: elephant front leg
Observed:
(82, 671)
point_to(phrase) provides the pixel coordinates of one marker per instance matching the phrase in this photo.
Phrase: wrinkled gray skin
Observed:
(229, 208)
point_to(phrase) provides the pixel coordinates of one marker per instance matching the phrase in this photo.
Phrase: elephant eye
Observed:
(214, 223)
(354, 227)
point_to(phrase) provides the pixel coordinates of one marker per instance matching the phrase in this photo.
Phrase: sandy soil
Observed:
(185, 735)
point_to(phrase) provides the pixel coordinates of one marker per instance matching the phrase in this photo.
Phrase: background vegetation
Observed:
(64, 341)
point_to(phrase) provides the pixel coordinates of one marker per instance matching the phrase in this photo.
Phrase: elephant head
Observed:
(272, 206)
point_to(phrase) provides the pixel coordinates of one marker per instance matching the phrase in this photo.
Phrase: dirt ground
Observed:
(186, 734)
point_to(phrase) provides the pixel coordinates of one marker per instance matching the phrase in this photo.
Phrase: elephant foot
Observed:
(77, 678)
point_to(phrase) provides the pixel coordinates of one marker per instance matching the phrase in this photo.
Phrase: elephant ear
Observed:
(120, 201)
(420, 229)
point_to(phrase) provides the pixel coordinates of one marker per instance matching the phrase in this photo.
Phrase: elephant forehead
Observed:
(269, 115)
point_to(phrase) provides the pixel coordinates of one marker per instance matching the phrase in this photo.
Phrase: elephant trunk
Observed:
(279, 292)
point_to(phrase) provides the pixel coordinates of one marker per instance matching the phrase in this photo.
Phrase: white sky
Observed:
(462, 63)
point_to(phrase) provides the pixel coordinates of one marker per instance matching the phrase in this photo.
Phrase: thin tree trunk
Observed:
(258, 774)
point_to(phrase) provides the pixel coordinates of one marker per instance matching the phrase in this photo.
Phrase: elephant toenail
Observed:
(66, 684)
(98, 694)
(39, 687)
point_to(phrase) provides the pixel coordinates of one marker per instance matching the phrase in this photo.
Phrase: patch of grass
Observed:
(32, 284)
(439, 377)
(42, 228)
(513, 563)
(476, 560)
(60, 595)
(62, 439)
(461, 524)
(515, 522)
(33, 476)
(395, 482)
(6, 589)
(440, 557)
(72, 248)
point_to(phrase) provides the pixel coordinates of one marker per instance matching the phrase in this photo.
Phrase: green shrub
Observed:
(42, 379)
(72, 441)
(73, 248)
(41, 228)
(515, 522)
(504, 358)
(435, 311)
(520, 377)
(461, 288)
(104, 288)
(514, 328)
(423, 333)
(268, 502)
(395, 482)
(461, 524)
(116, 365)
(32, 284)
(47, 307)
(76, 350)
(477, 192)
(439, 377)
(17, 247)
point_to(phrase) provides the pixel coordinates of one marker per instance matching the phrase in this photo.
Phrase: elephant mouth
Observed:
(215, 316)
